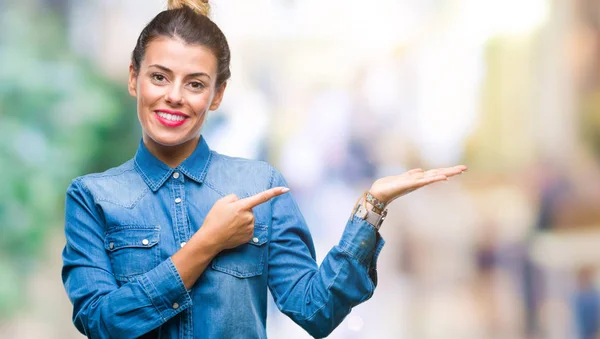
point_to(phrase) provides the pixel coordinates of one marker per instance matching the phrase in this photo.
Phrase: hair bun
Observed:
(199, 6)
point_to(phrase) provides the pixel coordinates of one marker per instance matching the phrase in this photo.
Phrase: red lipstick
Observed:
(170, 118)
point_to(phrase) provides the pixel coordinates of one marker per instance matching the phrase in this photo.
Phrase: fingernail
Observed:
(285, 189)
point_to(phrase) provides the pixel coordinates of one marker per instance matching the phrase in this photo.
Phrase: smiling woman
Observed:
(175, 86)
(184, 242)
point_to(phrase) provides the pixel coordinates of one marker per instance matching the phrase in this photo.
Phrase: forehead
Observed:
(180, 57)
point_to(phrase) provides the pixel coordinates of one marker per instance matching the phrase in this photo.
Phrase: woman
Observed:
(183, 242)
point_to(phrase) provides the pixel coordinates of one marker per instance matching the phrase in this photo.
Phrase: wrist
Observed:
(375, 200)
(367, 212)
(369, 206)
(377, 193)
(206, 242)
(193, 258)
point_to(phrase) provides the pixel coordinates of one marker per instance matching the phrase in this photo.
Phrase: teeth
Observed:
(170, 117)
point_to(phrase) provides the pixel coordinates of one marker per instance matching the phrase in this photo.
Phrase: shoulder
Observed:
(228, 163)
(242, 176)
(115, 174)
(121, 183)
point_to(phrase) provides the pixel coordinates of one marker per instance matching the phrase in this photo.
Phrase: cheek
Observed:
(149, 94)
(200, 102)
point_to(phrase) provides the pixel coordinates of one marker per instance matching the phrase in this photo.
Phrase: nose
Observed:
(174, 95)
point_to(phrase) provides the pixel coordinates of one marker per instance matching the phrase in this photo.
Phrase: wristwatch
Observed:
(371, 217)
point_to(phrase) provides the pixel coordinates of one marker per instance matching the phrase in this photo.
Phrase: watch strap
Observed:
(379, 205)
(373, 218)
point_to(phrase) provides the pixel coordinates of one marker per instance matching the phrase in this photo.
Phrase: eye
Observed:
(158, 77)
(197, 85)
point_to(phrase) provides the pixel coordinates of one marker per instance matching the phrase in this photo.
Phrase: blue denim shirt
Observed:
(122, 227)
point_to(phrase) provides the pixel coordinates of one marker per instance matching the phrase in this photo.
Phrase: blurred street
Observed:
(336, 94)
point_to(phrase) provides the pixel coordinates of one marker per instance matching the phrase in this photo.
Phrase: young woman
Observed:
(184, 242)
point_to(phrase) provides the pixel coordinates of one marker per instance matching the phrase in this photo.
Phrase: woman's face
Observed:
(175, 88)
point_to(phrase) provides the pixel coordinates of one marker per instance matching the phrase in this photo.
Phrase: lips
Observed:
(170, 118)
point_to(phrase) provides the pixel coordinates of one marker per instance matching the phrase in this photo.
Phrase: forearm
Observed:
(193, 258)
(130, 310)
(318, 298)
(328, 301)
(321, 299)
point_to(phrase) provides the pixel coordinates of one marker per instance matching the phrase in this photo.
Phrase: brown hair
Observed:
(186, 20)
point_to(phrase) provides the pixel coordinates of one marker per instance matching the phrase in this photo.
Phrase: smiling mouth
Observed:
(170, 117)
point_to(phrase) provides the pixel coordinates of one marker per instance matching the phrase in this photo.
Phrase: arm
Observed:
(102, 309)
(318, 298)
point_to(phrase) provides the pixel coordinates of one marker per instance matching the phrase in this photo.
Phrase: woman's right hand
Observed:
(230, 222)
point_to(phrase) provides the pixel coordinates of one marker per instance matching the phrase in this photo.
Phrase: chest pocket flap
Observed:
(132, 250)
(131, 237)
(246, 260)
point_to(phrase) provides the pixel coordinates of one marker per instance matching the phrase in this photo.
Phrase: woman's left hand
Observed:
(389, 188)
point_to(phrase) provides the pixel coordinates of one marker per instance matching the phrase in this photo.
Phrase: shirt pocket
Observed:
(246, 260)
(132, 250)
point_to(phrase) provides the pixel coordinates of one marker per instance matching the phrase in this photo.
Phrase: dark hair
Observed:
(193, 28)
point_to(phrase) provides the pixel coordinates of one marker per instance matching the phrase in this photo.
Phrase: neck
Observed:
(172, 156)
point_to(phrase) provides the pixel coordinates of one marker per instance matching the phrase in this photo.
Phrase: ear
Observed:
(216, 102)
(132, 84)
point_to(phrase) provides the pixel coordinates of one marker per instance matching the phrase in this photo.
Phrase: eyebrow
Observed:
(191, 75)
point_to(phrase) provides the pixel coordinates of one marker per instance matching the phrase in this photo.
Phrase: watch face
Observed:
(361, 212)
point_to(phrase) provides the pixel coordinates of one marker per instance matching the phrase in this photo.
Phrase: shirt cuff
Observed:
(166, 290)
(361, 241)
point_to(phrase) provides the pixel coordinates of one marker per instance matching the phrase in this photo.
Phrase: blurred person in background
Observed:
(183, 242)
(586, 304)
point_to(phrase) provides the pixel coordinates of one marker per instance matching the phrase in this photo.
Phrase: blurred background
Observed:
(335, 94)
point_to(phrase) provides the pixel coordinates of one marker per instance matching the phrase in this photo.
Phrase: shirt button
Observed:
(111, 245)
(145, 242)
(175, 306)
(176, 175)
(178, 200)
(255, 240)
(183, 244)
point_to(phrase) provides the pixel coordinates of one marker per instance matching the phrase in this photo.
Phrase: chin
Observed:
(169, 140)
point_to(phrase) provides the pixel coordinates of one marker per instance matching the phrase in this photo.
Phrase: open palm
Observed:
(389, 188)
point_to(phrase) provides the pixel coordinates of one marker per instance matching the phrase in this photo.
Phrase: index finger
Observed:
(262, 197)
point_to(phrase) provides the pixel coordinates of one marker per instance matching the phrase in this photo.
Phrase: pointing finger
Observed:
(230, 198)
(262, 197)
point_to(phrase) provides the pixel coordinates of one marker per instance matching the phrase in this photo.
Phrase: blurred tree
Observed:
(59, 118)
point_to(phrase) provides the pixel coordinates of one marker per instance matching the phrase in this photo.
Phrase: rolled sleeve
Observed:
(362, 242)
(166, 290)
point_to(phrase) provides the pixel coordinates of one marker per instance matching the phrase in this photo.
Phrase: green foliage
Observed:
(59, 118)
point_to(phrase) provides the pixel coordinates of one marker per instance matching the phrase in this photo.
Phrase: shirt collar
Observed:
(155, 172)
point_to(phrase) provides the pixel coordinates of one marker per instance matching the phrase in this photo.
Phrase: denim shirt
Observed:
(122, 227)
